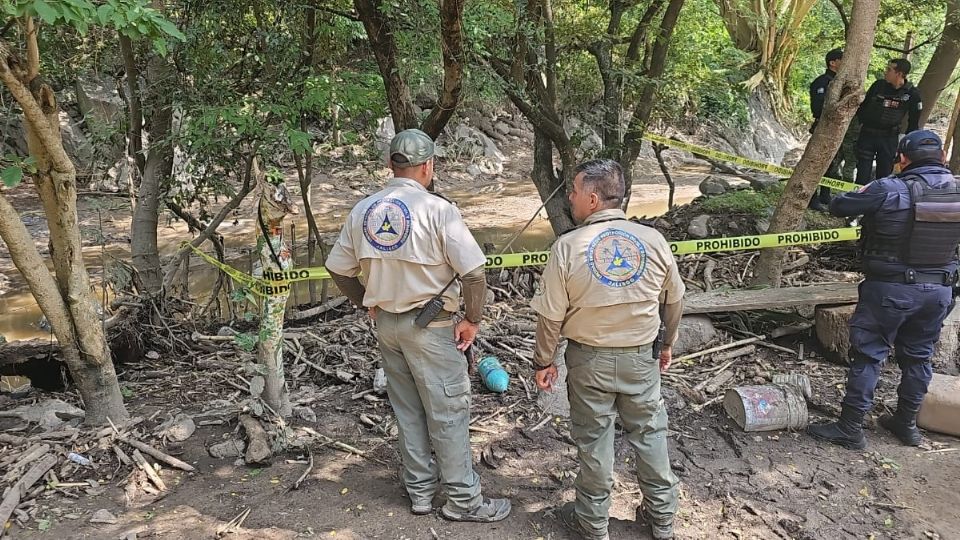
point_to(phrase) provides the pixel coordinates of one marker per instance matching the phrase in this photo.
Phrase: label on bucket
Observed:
(765, 408)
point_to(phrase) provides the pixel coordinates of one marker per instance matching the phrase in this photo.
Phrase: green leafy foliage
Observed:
(132, 18)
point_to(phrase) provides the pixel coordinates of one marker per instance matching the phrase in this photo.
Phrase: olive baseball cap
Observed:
(411, 147)
(921, 145)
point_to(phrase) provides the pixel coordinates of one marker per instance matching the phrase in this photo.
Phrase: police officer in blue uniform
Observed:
(887, 103)
(911, 230)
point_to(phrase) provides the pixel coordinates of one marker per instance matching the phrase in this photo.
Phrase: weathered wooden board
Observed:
(750, 299)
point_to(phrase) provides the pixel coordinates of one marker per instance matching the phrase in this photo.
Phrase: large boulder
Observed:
(699, 226)
(713, 185)
(696, 333)
(99, 102)
(472, 144)
(590, 142)
(383, 135)
(12, 134)
(75, 142)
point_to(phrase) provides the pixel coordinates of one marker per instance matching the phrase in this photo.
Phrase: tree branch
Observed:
(207, 231)
(901, 50)
(345, 14)
(843, 15)
(11, 72)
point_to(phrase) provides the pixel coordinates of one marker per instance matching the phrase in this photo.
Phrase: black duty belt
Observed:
(895, 130)
(912, 276)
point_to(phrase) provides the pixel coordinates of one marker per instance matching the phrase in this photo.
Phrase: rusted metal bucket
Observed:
(767, 407)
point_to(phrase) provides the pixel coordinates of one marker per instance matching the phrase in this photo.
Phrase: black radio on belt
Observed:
(431, 309)
(661, 332)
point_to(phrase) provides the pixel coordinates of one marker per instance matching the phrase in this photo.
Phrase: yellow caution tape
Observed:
(832, 183)
(708, 245)
(279, 282)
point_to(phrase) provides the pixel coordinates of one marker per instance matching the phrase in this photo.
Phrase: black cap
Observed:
(921, 145)
(835, 54)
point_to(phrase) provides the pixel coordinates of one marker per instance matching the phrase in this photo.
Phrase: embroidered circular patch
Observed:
(386, 224)
(616, 258)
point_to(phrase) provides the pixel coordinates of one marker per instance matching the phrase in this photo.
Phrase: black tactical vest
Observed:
(887, 109)
(927, 236)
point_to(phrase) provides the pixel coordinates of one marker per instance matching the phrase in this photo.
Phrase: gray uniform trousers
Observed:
(429, 390)
(601, 382)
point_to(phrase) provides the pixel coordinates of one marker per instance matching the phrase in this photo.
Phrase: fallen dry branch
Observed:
(148, 470)
(157, 454)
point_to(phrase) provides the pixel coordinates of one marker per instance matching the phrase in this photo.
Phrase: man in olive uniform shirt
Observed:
(602, 289)
(410, 244)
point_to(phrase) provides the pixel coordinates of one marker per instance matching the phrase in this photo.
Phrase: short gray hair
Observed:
(605, 178)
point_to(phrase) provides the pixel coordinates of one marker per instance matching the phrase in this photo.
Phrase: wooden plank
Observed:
(749, 299)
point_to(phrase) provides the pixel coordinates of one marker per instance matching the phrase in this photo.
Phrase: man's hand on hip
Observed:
(666, 357)
(464, 333)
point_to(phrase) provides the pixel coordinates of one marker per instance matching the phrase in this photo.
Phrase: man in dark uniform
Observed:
(886, 104)
(911, 230)
(818, 94)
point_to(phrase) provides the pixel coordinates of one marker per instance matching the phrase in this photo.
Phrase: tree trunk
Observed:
(134, 108)
(955, 155)
(69, 303)
(275, 257)
(644, 107)
(545, 178)
(843, 98)
(942, 63)
(451, 43)
(767, 29)
(157, 168)
(384, 47)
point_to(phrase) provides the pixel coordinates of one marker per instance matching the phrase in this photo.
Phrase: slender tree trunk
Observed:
(134, 107)
(942, 63)
(384, 47)
(70, 303)
(955, 132)
(644, 107)
(275, 257)
(157, 168)
(843, 98)
(451, 43)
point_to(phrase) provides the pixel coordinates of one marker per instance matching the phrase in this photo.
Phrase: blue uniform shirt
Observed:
(885, 206)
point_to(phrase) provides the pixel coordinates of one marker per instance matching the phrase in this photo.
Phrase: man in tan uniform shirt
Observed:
(409, 245)
(602, 289)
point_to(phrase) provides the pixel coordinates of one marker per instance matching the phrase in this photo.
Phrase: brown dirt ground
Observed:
(734, 484)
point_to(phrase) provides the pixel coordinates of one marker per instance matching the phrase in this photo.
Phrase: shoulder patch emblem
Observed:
(386, 224)
(616, 258)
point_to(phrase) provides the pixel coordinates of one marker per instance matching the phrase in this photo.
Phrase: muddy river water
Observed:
(494, 214)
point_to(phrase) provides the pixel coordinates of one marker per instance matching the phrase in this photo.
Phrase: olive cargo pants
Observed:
(429, 390)
(602, 382)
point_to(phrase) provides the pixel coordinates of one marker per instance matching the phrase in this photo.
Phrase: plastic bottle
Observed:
(78, 459)
(493, 375)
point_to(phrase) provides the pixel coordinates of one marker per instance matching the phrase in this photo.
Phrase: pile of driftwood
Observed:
(73, 460)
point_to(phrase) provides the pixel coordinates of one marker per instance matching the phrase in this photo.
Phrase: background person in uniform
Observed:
(601, 290)
(845, 162)
(409, 244)
(887, 103)
(911, 229)
(818, 94)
